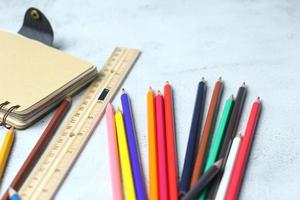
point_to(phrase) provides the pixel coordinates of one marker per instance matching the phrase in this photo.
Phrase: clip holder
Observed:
(36, 26)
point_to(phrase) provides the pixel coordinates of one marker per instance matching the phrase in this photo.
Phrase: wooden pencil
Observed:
(128, 183)
(229, 135)
(217, 141)
(228, 168)
(170, 143)
(207, 131)
(39, 147)
(205, 179)
(116, 181)
(243, 153)
(136, 166)
(6, 149)
(161, 148)
(194, 136)
(152, 147)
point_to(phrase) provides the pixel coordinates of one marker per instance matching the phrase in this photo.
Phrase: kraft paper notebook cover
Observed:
(36, 77)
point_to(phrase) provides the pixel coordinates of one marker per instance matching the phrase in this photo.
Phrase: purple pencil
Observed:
(133, 148)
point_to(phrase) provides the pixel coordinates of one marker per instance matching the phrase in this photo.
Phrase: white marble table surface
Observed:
(256, 41)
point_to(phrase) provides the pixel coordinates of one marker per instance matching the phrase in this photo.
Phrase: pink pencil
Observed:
(161, 148)
(113, 154)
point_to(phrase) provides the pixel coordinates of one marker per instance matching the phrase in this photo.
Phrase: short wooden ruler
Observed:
(55, 163)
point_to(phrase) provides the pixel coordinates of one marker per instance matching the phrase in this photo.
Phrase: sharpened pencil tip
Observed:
(150, 88)
(244, 84)
(158, 92)
(202, 79)
(167, 83)
(239, 135)
(12, 129)
(220, 78)
(123, 90)
(69, 99)
(218, 164)
(109, 106)
(258, 99)
(11, 192)
(232, 97)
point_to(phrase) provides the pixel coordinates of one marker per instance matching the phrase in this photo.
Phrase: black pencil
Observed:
(229, 135)
(205, 179)
(194, 137)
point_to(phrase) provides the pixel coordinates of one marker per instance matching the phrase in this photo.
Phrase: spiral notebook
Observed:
(35, 78)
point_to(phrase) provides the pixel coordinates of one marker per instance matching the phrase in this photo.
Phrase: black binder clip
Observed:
(36, 26)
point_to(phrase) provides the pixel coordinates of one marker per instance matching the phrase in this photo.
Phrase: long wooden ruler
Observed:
(68, 142)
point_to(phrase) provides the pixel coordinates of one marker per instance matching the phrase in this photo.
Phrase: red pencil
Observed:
(243, 154)
(161, 148)
(170, 143)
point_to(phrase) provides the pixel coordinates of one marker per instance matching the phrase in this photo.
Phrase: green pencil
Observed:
(217, 142)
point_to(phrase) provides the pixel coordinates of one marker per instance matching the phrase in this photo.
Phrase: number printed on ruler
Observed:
(68, 142)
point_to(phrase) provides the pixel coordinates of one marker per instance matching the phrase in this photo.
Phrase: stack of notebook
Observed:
(35, 78)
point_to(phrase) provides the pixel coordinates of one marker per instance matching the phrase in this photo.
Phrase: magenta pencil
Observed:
(113, 154)
(161, 148)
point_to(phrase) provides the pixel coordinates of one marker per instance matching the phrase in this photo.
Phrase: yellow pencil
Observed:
(5, 149)
(128, 184)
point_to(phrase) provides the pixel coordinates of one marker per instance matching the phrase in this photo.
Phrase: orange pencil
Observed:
(170, 143)
(152, 141)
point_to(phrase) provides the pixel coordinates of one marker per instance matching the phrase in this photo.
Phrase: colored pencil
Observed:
(207, 131)
(216, 144)
(161, 148)
(171, 143)
(152, 141)
(194, 137)
(13, 195)
(40, 146)
(128, 184)
(243, 153)
(205, 179)
(229, 135)
(113, 154)
(6, 149)
(133, 148)
(228, 167)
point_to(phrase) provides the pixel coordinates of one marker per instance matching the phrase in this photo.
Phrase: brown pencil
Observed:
(207, 132)
(39, 148)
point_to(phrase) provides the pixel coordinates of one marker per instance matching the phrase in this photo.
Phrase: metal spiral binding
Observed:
(3, 104)
(3, 123)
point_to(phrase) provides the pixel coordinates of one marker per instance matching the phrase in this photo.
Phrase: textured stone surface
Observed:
(256, 41)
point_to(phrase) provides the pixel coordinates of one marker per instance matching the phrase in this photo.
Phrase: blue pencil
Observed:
(133, 148)
(193, 141)
(13, 195)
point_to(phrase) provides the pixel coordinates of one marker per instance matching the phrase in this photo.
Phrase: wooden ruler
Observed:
(68, 142)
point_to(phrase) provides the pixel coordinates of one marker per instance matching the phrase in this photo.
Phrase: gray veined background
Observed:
(256, 41)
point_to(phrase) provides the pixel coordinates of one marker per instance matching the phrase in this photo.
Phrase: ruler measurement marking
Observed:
(74, 152)
(81, 108)
(61, 167)
(88, 115)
